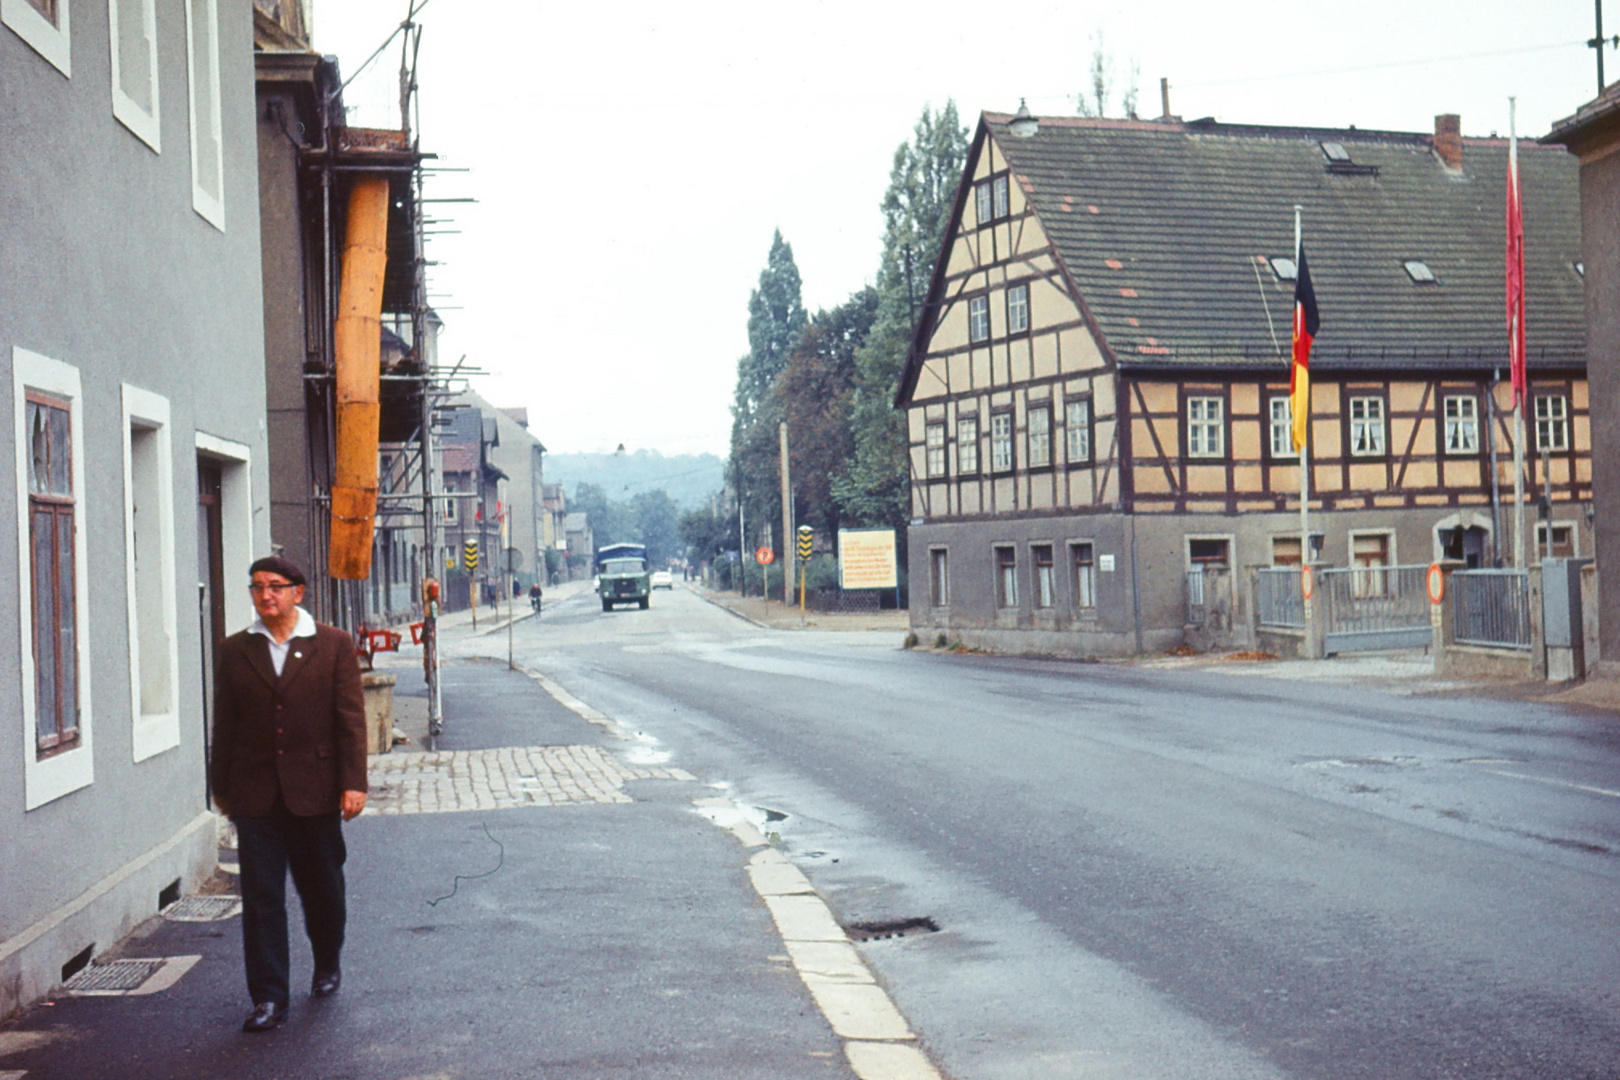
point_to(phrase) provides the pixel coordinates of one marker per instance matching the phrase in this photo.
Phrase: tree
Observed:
(775, 319)
(873, 489)
(815, 396)
(1094, 100)
(606, 524)
(657, 525)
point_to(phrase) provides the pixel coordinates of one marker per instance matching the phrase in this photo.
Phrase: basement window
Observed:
(1419, 272)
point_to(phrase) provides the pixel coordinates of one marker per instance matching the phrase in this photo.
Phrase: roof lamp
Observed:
(1023, 123)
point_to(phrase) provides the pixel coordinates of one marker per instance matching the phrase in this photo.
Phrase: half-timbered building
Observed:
(1097, 394)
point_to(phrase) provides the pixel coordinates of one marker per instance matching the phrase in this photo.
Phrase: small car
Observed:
(663, 579)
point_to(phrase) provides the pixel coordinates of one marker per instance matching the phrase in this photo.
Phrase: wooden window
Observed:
(1082, 560)
(1282, 428)
(1562, 540)
(1006, 577)
(1285, 551)
(990, 199)
(967, 445)
(939, 582)
(1552, 422)
(935, 436)
(1040, 436)
(1018, 309)
(979, 319)
(998, 196)
(1077, 430)
(1045, 576)
(1461, 424)
(982, 203)
(1367, 426)
(1206, 428)
(1001, 442)
(53, 573)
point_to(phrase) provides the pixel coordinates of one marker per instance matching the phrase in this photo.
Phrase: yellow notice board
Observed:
(866, 559)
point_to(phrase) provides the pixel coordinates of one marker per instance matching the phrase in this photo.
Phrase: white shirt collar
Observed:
(305, 627)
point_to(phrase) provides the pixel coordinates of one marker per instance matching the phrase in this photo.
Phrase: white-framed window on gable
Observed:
(132, 26)
(207, 128)
(979, 319)
(1077, 430)
(1206, 427)
(982, 203)
(1366, 426)
(44, 25)
(934, 442)
(1462, 424)
(1017, 309)
(1000, 204)
(1001, 442)
(967, 445)
(1552, 422)
(150, 575)
(53, 593)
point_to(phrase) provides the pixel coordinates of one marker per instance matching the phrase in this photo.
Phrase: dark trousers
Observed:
(312, 848)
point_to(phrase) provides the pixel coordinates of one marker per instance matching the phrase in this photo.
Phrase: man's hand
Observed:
(353, 803)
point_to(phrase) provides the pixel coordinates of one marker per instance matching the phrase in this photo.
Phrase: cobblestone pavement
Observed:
(443, 781)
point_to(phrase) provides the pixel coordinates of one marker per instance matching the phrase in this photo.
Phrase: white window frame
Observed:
(1045, 591)
(983, 204)
(1371, 580)
(1006, 577)
(1367, 431)
(46, 780)
(1206, 427)
(1000, 197)
(1282, 426)
(154, 654)
(1083, 575)
(967, 445)
(1077, 430)
(939, 576)
(1038, 435)
(1551, 421)
(1455, 422)
(53, 41)
(236, 521)
(1001, 442)
(130, 112)
(206, 123)
(934, 450)
(1018, 308)
(978, 319)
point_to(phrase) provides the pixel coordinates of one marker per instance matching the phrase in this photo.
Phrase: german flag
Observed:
(1306, 323)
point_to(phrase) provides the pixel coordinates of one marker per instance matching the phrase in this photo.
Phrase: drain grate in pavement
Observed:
(203, 908)
(118, 976)
(880, 931)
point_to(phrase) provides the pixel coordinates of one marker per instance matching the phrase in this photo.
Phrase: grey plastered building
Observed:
(133, 347)
(1593, 135)
(1097, 395)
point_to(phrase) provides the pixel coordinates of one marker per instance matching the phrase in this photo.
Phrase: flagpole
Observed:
(1518, 398)
(1304, 446)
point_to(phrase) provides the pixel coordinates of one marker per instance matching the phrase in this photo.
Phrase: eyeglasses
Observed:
(275, 587)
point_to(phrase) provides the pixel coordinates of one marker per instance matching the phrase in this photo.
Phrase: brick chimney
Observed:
(1448, 140)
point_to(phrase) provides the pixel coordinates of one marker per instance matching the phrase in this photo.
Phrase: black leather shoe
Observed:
(326, 983)
(266, 1016)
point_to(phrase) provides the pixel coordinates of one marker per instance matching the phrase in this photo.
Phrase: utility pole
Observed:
(787, 519)
(1597, 43)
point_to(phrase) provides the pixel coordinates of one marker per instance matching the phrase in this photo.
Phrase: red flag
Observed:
(1306, 323)
(1515, 277)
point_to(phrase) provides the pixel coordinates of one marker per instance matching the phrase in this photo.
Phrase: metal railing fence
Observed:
(1278, 600)
(1374, 607)
(1491, 608)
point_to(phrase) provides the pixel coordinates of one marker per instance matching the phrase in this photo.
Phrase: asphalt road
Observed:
(1147, 873)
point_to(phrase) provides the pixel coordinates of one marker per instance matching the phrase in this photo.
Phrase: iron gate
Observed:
(1369, 608)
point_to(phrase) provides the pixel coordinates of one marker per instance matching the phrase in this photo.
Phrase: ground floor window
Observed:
(1006, 577)
(1555, 540)
(938, 577)
(1083, 560)
(1369, 560)
(1045, 576)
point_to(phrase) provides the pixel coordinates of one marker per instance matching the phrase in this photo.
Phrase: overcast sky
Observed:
(631, 160)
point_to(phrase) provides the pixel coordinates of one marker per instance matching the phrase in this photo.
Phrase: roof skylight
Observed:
(1419, 272)
(1334, 151)
(1283, 266)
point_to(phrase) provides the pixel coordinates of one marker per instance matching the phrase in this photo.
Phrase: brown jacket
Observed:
(303, 734)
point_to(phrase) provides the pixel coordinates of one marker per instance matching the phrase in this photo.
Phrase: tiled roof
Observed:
(1164, 227)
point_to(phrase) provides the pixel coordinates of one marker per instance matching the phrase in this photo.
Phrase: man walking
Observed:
(288, 766)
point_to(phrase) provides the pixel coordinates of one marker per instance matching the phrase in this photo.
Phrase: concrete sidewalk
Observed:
(527, 899)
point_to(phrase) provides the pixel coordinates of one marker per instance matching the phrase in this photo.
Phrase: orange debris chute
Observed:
(359, 344)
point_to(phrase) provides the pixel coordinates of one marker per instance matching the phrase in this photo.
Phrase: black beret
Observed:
(275, 564)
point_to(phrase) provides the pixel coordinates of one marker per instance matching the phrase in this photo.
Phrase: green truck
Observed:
(622, 576)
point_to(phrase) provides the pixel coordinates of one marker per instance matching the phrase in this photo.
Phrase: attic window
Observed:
(1334, 151)
(1579, 267)
(1419, 272)
(1284, 268)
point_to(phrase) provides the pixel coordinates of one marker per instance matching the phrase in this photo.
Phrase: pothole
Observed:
(895, 928)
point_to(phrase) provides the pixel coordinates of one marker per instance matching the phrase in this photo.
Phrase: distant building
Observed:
(1097, 397)
(132, 344)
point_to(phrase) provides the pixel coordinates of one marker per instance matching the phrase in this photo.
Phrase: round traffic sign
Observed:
(765, 556)
(1307, 582)
(1436, 580)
